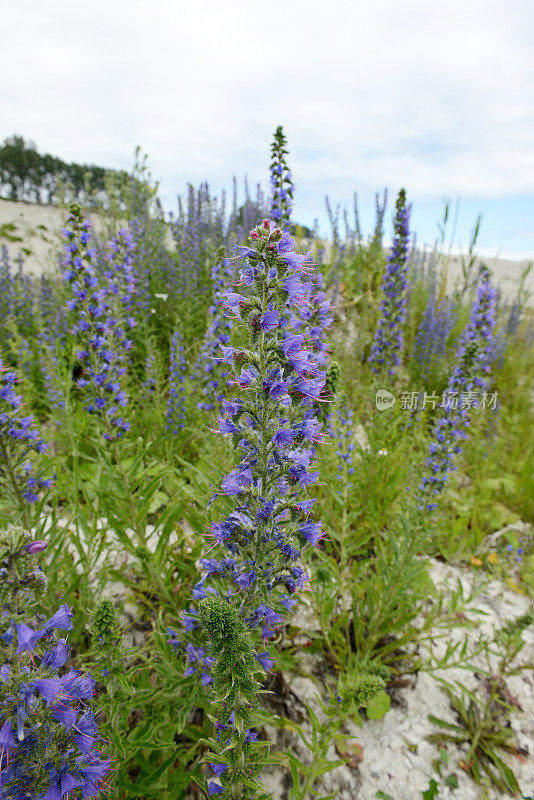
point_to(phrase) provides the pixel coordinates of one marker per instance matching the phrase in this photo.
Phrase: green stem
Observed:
(21, 502)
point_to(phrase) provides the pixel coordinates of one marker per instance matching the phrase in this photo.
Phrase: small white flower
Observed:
(152, 310)
(383, 452)
(161, 296)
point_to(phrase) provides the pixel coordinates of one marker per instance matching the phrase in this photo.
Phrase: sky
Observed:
(438, 98)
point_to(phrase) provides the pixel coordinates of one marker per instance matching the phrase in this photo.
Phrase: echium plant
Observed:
(97, 321)
(207, 371)
(7, 296)
(430, 345)
(470, 377)
(121, 286)
(255, 569)
(389, 337)
(341, 430)
(281, 181)
(313, 316)
(48, 733)
(177, 374)
(19, 439)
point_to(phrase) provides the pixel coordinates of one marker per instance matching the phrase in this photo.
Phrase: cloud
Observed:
(437, 98)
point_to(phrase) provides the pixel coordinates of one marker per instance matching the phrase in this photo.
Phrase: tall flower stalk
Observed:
(281, 181)
(176, 407)
(389, 337)
(100, 316)
(207, 370)
(19, 439)
(98, 307)
(255, 569)
(470, 377)
(430, 345)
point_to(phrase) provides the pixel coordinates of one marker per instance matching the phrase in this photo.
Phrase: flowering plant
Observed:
(389, 337)
(98, 320)
(48, 733)
(258, 570)
(470, 375)
(282, 187)
(19, 438)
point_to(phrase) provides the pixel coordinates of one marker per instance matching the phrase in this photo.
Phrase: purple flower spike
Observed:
(258, 545)
(265, 660)
(19, 435)
(96, 319)
(282, 187)
(470, 377)
(389, 337)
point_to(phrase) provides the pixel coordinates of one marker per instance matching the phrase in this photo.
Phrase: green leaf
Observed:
(451, 781)
(295, 766)
(379, 706)
(442, 724)
(327, 767)
(150, 745)
(432, 791)
(506, 774)
(159, 499)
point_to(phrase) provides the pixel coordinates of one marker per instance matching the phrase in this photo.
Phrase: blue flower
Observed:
(61, 619)
(27, 638)
(6, 737)
(49, 688)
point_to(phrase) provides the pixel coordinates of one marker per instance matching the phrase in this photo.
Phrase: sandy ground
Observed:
(392, 755)
(507, 273)
(37, 230)
(35, 233)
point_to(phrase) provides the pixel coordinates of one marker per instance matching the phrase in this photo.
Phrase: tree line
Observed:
(26, 174)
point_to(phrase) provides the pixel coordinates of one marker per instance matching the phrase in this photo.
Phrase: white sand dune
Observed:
(506, 272)
(36, 235)
(32, 231)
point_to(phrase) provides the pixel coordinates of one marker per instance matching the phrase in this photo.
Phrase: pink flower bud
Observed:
(36, 547)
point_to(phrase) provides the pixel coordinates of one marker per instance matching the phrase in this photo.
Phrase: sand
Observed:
(37, 229)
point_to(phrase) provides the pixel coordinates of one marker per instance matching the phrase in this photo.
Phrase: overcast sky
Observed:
(436, 97)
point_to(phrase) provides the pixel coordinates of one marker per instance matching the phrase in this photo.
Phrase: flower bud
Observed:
(37, 546)
(241, 357)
